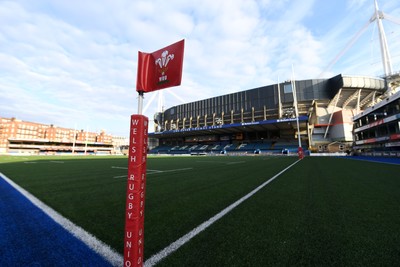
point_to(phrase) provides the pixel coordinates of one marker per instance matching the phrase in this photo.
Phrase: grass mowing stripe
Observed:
(98, 246)
(184, 239)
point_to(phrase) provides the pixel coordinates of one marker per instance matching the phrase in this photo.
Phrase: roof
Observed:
(350, 91)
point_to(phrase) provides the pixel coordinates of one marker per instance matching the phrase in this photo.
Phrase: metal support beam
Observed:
(351, 98)
(279, 101)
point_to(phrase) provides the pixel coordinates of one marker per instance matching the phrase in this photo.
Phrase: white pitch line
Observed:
(154, 172)
(174, 170)
(91, 241)
(235, 162)
(221, 163)
(116, 167)
(35, 162)
(184, 239)
(121, 176)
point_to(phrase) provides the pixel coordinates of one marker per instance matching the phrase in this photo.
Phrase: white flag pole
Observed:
(140, 102)
(300, 150)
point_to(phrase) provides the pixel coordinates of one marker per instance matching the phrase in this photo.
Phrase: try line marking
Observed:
(153, 260)
(149, 171)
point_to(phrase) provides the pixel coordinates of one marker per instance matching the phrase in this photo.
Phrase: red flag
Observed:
(160, 69)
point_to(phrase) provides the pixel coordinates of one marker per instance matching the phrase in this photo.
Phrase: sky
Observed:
(73, 63)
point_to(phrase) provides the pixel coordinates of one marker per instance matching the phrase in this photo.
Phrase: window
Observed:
(287, 88)
(392, 128)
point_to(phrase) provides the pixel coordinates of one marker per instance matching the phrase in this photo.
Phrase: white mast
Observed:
(279, 101)
(86, 139)
(378, 16)
(74, 140)
(295, 106)
(160, 107)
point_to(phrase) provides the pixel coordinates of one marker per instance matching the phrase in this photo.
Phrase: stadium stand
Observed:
(264, 147)
(264, 119)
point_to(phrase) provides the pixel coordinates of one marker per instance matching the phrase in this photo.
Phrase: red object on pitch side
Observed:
(160, 69)
(157, 70)
(135, 192)
(300, 152)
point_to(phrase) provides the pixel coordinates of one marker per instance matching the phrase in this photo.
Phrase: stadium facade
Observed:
(377, 129)
(263, 120)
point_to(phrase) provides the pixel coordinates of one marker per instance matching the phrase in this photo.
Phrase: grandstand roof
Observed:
(351, 90)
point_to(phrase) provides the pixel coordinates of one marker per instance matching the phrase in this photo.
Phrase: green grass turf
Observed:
(81, 188)
(323, 211)
(84, 190)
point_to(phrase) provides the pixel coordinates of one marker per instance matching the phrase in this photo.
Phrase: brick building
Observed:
(17, 136)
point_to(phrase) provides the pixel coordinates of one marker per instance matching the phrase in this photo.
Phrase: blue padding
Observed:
(28, 237)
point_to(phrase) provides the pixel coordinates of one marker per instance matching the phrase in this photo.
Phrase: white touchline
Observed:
(181, 241)
(91, 241)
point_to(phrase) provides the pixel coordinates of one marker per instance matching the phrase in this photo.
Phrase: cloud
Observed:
(66, 63)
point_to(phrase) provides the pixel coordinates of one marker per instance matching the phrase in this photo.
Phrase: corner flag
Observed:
(160, 69)
(157, 70)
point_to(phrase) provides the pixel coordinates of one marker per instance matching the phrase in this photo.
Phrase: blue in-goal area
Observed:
(388, 160)
(29, 237)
